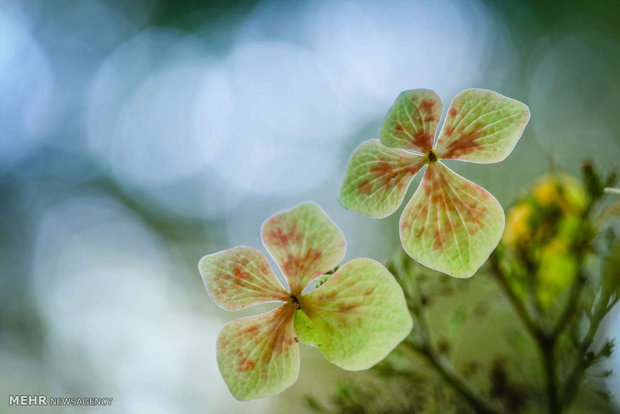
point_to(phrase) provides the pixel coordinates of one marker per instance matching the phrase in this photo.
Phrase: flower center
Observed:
(295, 302)
(431, 156)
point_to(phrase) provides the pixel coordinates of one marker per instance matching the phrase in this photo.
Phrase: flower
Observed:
(355, 317)
(450, 224)
(541, 229)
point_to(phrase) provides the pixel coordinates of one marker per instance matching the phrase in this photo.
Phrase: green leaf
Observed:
(377, 178)
(304, 242)
(259, 355)
(240, 277)
(451, 224)
(412, 121)
(355, 318)
(481, 126)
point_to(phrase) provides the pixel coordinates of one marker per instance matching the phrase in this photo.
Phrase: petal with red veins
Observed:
(451, 224)
(258, 355)
(377, 178)
(481, 126)
(412, 121)
(355, 318)
(240, 277)
(304, 242)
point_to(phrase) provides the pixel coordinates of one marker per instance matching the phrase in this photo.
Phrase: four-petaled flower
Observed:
(355, 318)
(450, 224)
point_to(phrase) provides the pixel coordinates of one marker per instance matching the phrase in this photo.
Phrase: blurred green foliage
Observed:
(510, 339)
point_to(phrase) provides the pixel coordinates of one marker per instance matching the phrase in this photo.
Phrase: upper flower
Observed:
(450, 224)
(355, 318)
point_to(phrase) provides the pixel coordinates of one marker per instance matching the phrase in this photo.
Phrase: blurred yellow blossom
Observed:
(560, 190)
(546, 192)
(541, 228)
(518, 229)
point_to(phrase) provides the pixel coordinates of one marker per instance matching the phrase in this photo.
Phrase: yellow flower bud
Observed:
(517, 225)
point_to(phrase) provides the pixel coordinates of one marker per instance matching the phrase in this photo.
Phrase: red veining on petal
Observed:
(387, 174)
(385, 170)
(251, 330)
(422, 139)
(348, 308)
(464, 143)
(427, 183)
(246, 365)
(278, 332)
(222, 343)
(399, 128)
(296, 265)
(327, 297)
(469, 207)
(369, 292)
(438, 239)
(405, 224)
(241, 279)
(278, 338)
(365, 187)
(427, 105)
(444, 207)
(264, 268)
(453, 112)
(281, 237)
(239, 272)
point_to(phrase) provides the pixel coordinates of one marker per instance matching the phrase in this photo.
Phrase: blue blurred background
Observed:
(137, 136)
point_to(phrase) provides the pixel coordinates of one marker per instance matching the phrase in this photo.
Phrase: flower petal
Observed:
(355, 318)
(481, 126)
(258, 355)
(412, 121)
(451, 224)
(240, 277)
(304, 242)
(377, 178)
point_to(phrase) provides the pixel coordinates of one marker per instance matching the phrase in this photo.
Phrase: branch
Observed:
(583, 363)
(571, 305)
(452, 377)
(518, 305)
(545, 341)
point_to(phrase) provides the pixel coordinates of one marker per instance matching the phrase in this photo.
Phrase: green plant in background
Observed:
(558, 268)
(355, 316)
(542, 229)
(556, 265)
(450, 224)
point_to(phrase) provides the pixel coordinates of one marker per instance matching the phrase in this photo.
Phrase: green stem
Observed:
(583, 363)
(547, 350)
(452, 377)
(571, 305)
(517, 304)
(544, 341)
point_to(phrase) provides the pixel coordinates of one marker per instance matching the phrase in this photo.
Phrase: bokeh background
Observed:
(137, 136)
